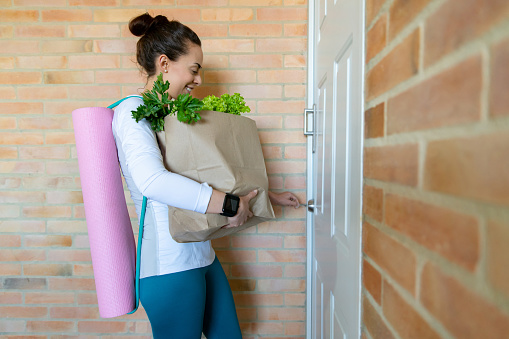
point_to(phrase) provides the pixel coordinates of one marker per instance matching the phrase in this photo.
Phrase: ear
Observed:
(162, 63)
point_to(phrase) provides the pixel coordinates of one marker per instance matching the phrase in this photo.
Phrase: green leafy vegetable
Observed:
(233, 104)
(157, 105)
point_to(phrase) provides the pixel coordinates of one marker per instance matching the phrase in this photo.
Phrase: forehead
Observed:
(193, 55)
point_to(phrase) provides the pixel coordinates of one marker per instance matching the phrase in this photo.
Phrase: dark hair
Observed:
(160, 36)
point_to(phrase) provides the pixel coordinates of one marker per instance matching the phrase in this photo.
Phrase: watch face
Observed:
(234, 205)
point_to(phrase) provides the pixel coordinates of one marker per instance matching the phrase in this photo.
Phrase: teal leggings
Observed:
(183, 305)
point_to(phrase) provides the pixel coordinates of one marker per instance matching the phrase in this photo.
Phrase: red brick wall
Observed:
(436, 169)
(58, 55)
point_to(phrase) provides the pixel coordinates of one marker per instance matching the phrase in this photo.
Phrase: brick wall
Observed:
(58, 55)
(436, 168)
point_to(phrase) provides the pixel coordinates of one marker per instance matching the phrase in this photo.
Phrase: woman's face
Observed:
(184, 73)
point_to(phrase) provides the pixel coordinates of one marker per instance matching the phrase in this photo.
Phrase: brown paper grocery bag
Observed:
(224, 151)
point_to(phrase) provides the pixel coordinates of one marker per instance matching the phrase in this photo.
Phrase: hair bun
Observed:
(140, 24)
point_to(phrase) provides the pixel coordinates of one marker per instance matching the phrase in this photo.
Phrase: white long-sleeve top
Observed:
(142, 165)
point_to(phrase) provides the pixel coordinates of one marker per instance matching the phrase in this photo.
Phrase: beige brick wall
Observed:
(436, 168)
(58, 55)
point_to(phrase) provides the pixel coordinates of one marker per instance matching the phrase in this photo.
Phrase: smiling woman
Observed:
(183, 287)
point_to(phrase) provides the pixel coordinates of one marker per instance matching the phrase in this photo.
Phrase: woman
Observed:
(183, 287)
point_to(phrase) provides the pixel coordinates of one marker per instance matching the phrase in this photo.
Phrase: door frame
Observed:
(309, 165)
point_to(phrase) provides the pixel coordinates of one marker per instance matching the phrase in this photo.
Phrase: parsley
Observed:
(157, 105)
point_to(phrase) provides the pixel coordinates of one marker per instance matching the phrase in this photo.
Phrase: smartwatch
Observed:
(230, 205)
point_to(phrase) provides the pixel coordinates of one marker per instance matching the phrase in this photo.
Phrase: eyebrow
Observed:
(199, 66)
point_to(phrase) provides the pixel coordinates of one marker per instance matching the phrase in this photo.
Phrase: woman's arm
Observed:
(145, 164)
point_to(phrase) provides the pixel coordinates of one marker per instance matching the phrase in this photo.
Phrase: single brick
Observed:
(452, 97)
(399, 65)
(94, 61)
(232, 76)
(10, 269)
(242, 285)
(68, 77)
(41, 62)
(94, 3)
(40, 31)
(295, 30)
(457, 23)
(50, 326)
(58, 122)
(47, 211)
(403, 13)
(372, 9)
(394, 258)
(22, 226)
(281, 14)
(454, 235)
(473, 167)
(499, 86)
(281, 45)
(282, 76)
(397, 163)
(258, 299)
(24, 283)
(74, 313)
(295, 61)
(282, 256)
(376, 38)
(210, 30)
(404, 318)
(49, 298)
(8, 152)
(66, 15)
(50, 152)
(227, 14)
(267, 30)
(282, 313)
(462, 312)
(116, 15)
(47, 269)
(497, 255)
(373, 202)
(115, 46)
(374, 122)
(373, 321)
(71, 284)
(17, 78)
(372, 281)
(33, 240)
(10, 15)
(258, 91)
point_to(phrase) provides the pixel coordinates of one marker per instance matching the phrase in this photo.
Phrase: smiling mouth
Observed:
(189, 89)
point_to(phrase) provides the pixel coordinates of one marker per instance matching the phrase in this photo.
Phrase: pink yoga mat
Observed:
(109, 229)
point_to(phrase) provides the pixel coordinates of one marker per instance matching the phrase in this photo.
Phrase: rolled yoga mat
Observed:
(111, 237)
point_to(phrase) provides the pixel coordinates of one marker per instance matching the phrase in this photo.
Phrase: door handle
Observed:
(308, 130)
(311, 205)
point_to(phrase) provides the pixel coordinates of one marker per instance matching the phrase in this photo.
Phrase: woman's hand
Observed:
(243, 213)
(284, 199)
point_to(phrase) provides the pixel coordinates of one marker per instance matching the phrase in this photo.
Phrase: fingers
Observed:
(251, 194)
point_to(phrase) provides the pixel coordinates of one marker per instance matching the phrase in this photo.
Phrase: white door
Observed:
(335, 89)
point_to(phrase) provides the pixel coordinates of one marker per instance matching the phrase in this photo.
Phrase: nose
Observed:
(197, 79)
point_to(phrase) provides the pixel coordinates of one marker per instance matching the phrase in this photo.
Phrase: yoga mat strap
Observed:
(138, 254)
